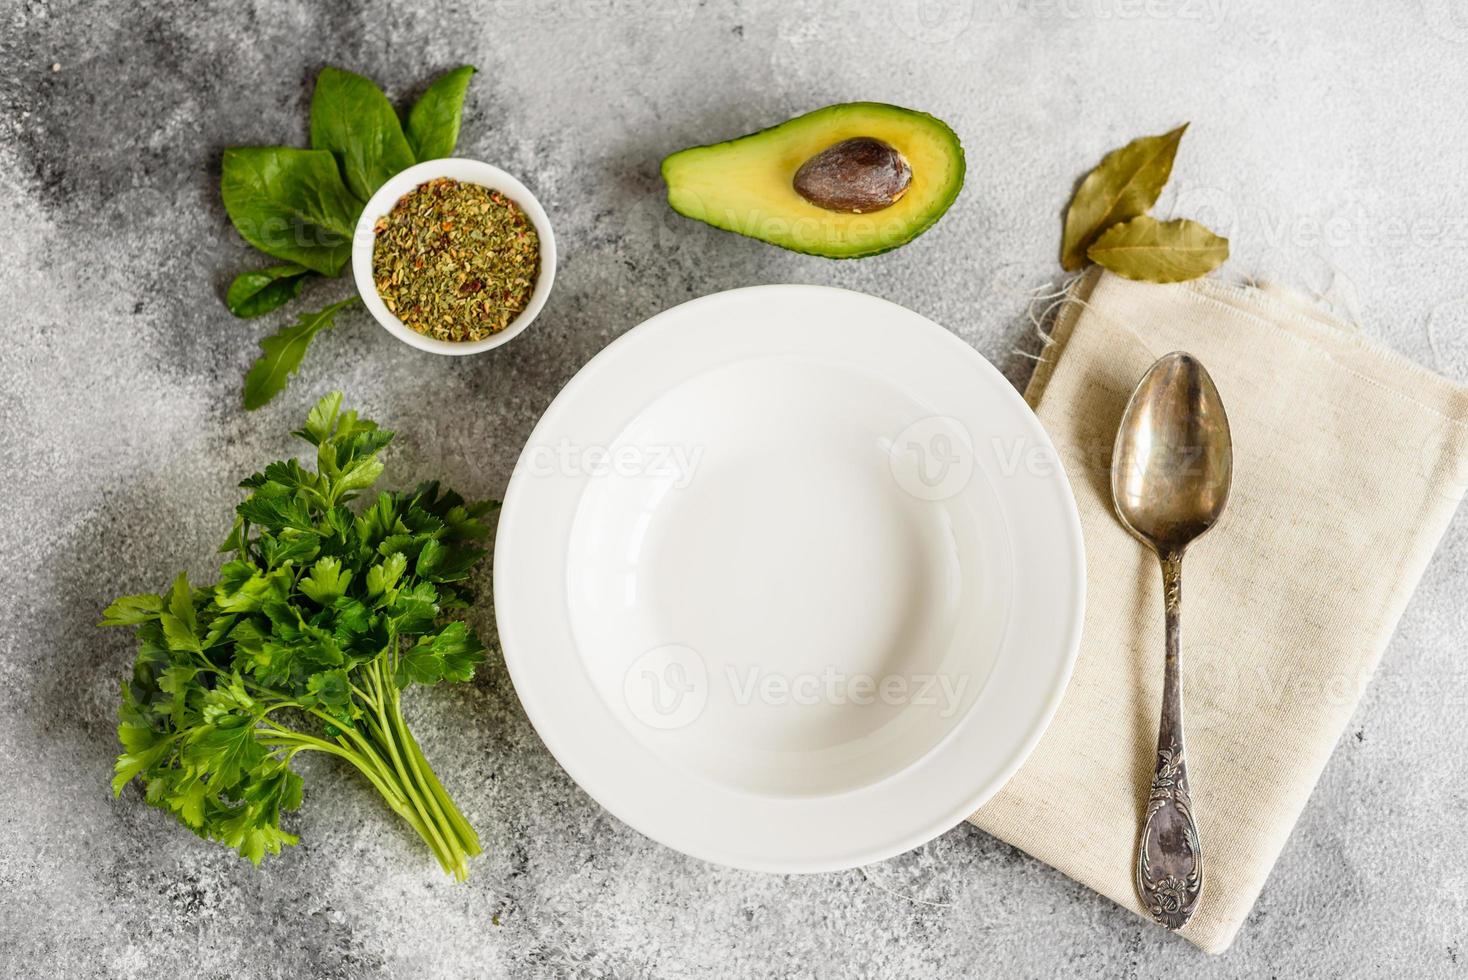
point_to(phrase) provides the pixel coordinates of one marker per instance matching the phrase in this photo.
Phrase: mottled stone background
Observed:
(1327, 141)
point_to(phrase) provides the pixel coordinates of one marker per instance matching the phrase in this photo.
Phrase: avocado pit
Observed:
(858, 175)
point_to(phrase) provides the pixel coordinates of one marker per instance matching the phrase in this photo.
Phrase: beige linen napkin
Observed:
(1348, 464)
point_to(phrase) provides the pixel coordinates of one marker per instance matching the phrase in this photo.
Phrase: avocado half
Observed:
(746, 185)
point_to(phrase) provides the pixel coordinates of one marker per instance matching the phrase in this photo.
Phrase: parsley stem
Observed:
(407, 784)
(299, 740)
(383, 782)
(419, 766)
(373, 672)
(466, 833)
(434, 834)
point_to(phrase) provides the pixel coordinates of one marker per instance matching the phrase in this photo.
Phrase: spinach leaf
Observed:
(291, 204)
(433, 125)
(302, 206)
(259, 291)
(353, 119)
(282, 352)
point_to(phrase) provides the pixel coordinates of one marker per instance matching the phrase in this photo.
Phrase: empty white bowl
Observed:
(470, 172)
(789, 578)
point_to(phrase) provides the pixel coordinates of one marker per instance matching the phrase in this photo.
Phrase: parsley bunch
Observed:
(304, 645)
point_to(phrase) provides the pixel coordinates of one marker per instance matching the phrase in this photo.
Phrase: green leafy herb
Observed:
(257, 293)
(353, 119)
(433, 125)
(304, 644)
(1159, 251)
(291, 204)
(282, 353)
(302, 206)
(1124, 184)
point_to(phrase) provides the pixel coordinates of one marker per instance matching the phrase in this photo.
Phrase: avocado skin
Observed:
(929, 217)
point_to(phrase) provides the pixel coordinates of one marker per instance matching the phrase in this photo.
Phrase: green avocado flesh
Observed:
(746, 185)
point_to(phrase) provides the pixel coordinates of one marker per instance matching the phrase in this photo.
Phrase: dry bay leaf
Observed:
(1124, 185)
(1159, 251)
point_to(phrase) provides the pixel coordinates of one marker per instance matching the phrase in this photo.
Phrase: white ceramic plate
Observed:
(789, 578)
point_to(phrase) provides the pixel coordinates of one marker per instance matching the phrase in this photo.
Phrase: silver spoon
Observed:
(1170, 475)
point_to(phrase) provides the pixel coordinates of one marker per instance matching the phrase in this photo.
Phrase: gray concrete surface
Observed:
(1327, 141)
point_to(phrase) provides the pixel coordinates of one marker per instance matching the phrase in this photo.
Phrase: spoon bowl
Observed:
(1173, 462)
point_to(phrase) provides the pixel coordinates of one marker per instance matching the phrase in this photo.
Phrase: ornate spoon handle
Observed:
(1169, 858)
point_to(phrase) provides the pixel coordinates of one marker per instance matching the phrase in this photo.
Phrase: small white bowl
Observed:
(470, 172)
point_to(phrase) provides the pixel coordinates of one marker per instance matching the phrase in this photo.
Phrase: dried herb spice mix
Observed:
(455, 261)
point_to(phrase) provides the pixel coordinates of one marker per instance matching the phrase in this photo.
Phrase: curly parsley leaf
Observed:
(304, 644)
(133, 610)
